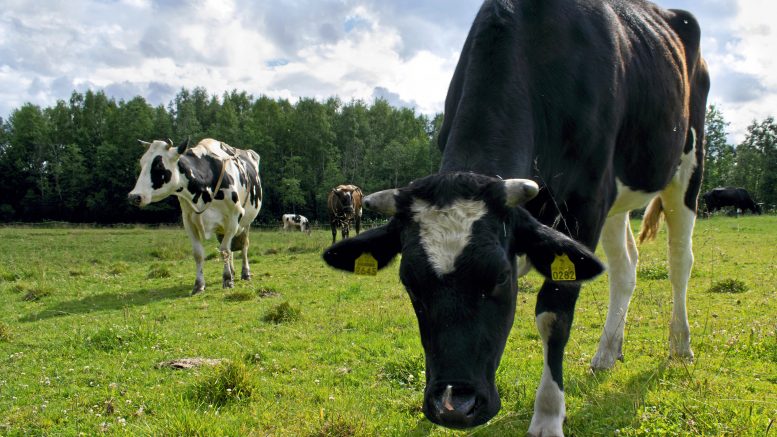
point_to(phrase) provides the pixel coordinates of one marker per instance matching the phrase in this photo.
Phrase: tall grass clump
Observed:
(5, 332)
(282, 313)
(728, 286)
(228, 382)
(158, 271)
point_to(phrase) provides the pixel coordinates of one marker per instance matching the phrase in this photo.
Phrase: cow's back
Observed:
(564, 91)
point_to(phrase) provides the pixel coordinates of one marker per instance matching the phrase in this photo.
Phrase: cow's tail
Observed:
(651, 221)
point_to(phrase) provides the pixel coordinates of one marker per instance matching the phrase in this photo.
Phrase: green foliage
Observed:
(228, 382)
(121, 337)
(239, 296)
(158, 271)
(36, 293)
(406, 371)
(85, 358)
(728, 286)
(652, 271)
(118, 268)
(282, 313)
(6, 333)
(339, 426)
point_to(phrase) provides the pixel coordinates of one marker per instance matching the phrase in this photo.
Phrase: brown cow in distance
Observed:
(345, 204)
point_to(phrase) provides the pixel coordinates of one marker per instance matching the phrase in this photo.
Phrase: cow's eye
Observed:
(503, 278)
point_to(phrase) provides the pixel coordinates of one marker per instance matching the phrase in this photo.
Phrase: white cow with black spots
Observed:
(219, 190)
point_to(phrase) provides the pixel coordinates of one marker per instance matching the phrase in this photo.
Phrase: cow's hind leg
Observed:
(621, 250)
(228, 276)
(242, 239)
(680, 221)
(334, 231)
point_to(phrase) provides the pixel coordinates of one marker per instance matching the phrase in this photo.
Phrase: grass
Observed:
(84, 357)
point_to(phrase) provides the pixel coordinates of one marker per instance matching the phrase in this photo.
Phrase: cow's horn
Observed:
(519, 191)
(169, 143)
(382, 202)
(144, 143)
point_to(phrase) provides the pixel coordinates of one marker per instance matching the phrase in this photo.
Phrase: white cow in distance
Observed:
(296, 221)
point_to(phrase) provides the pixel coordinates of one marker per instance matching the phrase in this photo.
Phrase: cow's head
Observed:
(344, 198)
(459, 235)
(158, 172)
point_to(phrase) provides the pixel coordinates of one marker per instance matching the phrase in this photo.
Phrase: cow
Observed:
(295, 221)
(561, 117)
(739, 198)
(344, 203)
(219, 190)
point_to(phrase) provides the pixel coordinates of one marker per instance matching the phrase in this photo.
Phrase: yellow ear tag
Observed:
(366, 264)
(563, 269)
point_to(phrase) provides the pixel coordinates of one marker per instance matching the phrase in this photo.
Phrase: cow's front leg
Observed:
(553, 316)
(333, 223)
(199, 257)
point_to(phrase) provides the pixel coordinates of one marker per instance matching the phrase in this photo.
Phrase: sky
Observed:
(401, 50)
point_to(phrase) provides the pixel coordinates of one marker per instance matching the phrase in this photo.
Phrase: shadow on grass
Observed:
(109, 301)
(603, 410)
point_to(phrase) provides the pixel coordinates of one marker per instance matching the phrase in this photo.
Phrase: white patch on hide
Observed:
(445, 232)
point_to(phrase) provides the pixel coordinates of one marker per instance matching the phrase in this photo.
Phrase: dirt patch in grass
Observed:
(188, 363)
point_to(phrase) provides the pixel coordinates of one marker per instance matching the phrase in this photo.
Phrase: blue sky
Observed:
(403, 50)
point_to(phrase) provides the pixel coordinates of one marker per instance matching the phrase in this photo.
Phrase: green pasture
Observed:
(87, 316)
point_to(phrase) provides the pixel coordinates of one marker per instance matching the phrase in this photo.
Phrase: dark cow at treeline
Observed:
(218, 188)
(345, 205)
(561, 117)
(739, 198)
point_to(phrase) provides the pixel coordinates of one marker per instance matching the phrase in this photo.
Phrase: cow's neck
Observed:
(489, 127)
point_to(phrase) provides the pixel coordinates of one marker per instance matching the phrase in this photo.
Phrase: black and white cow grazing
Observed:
(219, 189)
(739, 198)
(295, 221)
(601, 103)
(344, 203)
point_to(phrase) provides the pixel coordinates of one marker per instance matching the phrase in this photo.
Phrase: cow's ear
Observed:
(382, 243)
(553, 254)
(183, 146)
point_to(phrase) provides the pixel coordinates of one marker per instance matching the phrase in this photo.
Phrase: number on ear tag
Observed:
(366, 264)
(563, 269)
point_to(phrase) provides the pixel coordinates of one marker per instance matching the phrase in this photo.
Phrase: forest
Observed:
(77, 160)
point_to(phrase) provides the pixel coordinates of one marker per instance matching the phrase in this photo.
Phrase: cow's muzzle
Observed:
(135, 199)
(458, 406)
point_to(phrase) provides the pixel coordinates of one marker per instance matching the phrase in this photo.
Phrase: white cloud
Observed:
(404, 50)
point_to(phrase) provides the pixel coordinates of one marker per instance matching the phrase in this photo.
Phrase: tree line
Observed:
(752, 164)
(77, 160)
